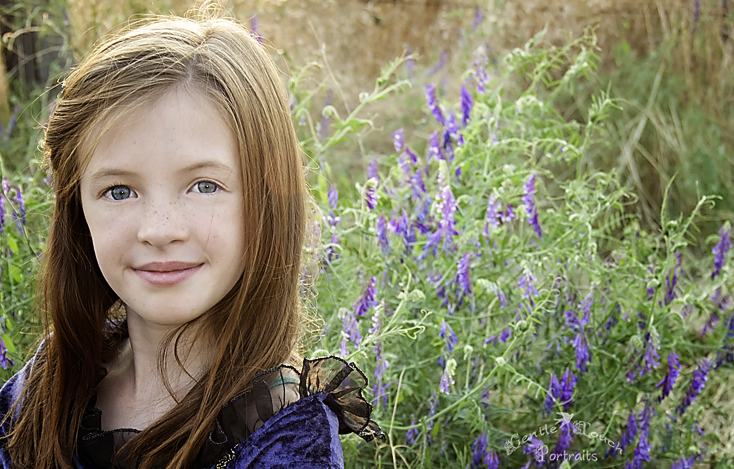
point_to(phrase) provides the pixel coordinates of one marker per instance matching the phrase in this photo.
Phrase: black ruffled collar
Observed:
(244, 414)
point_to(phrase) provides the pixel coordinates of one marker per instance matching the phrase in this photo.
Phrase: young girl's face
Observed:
(163, 197)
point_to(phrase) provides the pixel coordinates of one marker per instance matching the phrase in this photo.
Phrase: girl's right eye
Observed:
(118, 193)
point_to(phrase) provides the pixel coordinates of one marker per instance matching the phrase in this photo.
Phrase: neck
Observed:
(139, 361)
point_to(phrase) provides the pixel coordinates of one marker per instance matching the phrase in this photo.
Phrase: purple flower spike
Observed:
(491, 460)
(463, 274)
(673, 372)
(448, 334)
(720, 250)
(382, 235)
(526, 282)
(380, 392)
(446, 381)
(493, 214)
(433, 105)
(397, 140)
(5, 362)
(255, 27)
(581, 346)
(413, 433)
(568, 383)
(630, 433)
(528, 200)
(466, 106)
(367, 299)
(372, 172)
(21, 207)
(370, 194)
(554, 392)
(434, 147)
(537, 449)
(333, 196)
(651, 357)
(698, 382)
(479, 450)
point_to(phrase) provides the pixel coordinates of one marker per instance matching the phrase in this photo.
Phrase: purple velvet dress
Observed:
(287, 419)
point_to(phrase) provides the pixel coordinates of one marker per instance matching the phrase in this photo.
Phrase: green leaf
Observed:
(8, 343)
(13, 245)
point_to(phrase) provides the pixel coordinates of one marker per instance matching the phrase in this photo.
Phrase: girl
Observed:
(170, 281)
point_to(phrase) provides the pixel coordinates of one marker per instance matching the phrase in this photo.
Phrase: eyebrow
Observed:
(118, 172)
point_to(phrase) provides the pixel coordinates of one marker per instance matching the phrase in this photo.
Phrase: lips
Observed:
(166, 273)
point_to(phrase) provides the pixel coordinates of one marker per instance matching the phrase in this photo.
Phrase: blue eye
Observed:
(206, 187)
(118, 193)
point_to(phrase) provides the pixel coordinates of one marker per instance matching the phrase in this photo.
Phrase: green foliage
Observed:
(599, 277)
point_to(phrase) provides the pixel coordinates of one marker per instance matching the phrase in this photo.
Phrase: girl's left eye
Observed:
(205, 187)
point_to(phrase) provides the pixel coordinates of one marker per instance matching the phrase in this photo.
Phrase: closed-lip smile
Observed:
(166, 273)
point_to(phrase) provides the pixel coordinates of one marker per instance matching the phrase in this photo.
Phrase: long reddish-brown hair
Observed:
(256, 323)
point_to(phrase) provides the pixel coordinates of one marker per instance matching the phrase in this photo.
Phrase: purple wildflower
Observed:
(367, 299)
(5, 362)
(581, 346)
(417, 184)
(446, 226)
(493, 207)
(568, 383)
(696, 11)
(478, 17)
(254, 27)
(630, 433)
(721, 249)
(650, 360)
(698, 382)
(372, 172)
(508, 216)
(343, 351)
(370, 193)
(463, 274)
(441, 64)
(710, 324)
(526, 282)
(564, 438)
(331, 253)
(528, 200)
(382, 235)
(350, 329)
(537, 448)
(673, 372)
(397, 140)
(447, 378)
(379, 390)
(449, 336)
(554, 392)
(479, 450)
(466, 106)
(432, 104)
(642, 451)
(434, 147)
(413, 433)
(382, 364)
(491, 460)
(684, 463)
(506, 334)
(333, 197)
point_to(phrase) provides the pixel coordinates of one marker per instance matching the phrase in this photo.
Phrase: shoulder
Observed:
(292, 418)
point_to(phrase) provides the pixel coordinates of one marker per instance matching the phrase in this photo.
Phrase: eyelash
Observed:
(108, 190)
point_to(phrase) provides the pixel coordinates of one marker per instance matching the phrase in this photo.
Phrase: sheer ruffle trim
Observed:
(272, 390)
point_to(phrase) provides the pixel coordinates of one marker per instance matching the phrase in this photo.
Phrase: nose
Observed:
(162, 223)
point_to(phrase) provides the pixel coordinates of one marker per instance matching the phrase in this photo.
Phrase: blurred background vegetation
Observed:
(669, 62)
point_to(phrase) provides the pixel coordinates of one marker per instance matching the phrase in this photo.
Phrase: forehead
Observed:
(179, 127)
